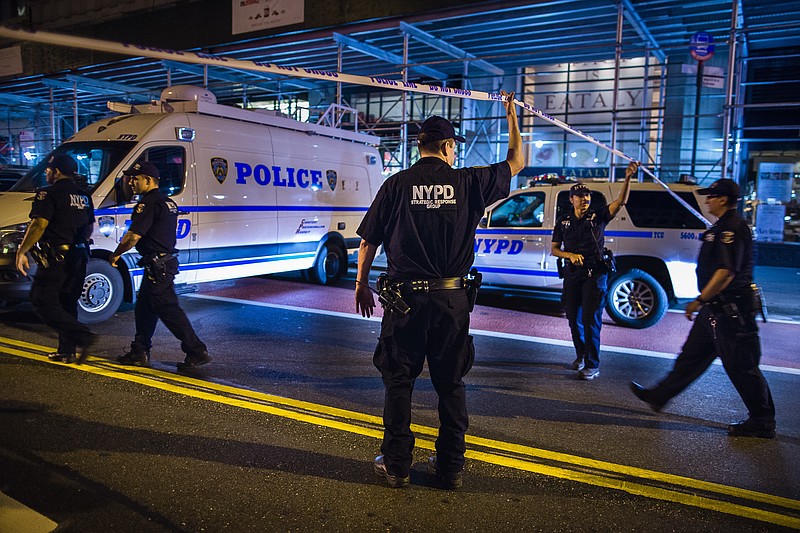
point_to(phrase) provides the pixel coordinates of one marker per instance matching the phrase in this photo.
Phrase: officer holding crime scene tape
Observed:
(725, 325)
(426, 217)
(62, 216)
(579, 239)
(152, 231)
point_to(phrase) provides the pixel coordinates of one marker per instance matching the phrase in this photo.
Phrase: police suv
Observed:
(258, 193)
(654, 238)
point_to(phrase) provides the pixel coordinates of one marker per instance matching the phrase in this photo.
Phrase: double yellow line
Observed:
(638, 481)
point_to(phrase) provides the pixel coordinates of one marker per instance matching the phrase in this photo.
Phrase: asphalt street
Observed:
(278, 433)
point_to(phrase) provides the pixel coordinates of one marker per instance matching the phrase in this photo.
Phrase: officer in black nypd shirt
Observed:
(426, 218)
(62, 217)
(152, 231)
(725, 325)
(579, 239)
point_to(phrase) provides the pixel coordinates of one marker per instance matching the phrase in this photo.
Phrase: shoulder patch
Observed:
(726, 237)
(41, 195)
(139, 207)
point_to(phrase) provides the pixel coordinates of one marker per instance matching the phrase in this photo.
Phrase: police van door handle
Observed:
(183, 212)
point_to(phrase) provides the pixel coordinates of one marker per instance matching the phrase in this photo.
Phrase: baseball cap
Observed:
(146, 168)
(722, 187)
(64, 163)
(579, 189)
(438, 128)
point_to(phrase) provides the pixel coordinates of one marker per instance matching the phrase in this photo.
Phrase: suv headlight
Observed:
(11, 237)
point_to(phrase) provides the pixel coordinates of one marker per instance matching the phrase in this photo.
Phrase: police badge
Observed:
(219, 167)
(331, 175)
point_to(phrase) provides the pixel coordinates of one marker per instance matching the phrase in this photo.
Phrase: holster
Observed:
(390, 297)
(472, 282)
(155, 265)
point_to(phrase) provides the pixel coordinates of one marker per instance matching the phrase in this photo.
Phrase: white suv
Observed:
(654, 239)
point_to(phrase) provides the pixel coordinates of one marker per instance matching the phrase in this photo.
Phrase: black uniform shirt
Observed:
(583, 235)
(155, 218)
(426, 217)
(727, 244)
(67, 209)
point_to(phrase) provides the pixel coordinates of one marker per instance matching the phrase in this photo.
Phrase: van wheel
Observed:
(101, 294)
(636, 299)
(330, 266)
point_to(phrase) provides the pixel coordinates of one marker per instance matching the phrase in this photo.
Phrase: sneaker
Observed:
(84, 346)
(646, 396)
(449, 480)
(578, 364)
(61, 357)
(589, 373)
(194, 361)
(752, 428)
(396, 482)
(135, 358)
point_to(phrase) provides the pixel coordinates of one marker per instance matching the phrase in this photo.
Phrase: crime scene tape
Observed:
(201, 58)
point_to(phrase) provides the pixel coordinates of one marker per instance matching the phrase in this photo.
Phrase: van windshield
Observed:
(95, 160)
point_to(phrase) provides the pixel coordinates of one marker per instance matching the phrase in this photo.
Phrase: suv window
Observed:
(563, 204)
(658, 209)
(520, 211)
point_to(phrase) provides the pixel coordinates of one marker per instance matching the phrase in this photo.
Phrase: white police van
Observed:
(654, 238)
(258, 194)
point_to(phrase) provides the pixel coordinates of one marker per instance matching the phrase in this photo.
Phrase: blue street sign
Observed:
(701, 46)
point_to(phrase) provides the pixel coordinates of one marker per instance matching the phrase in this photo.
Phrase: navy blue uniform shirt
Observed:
(426, 217)
(67, 209)
(727, 244)
(584, 235)
(155, 219)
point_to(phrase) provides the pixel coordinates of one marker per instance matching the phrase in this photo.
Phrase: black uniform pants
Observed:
(436, 327)
(157, 299)
(738, 346)
(54, 295)
(584, 298)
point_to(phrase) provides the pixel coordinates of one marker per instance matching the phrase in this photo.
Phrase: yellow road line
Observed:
(331, 417)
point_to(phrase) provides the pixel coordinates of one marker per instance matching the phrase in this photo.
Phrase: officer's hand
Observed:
(691, 308)
(365, 303)
(633, 168)
(22, 264)
(576, 259)
(113, 260)
(511, 108)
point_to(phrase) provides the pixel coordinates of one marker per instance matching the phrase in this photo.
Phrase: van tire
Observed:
(635, 299)
(102, 292)
(330, 265)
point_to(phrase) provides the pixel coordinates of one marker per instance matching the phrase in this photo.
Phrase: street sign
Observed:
(701, 46)
(713, 82)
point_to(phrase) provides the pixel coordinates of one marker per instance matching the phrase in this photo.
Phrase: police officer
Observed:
(426, 218)
(62, 216)
(725, 325)
(152, 231)
(579, 239)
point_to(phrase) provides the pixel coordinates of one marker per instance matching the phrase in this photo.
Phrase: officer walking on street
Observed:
(579, 239)
(726, 319)
(62, 216)
(152, 231)
(426, 217)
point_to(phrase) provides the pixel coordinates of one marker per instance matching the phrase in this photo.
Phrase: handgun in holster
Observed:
(155, 266)
(731, 310)
(472, 282)
(40, 255)
(389, 296)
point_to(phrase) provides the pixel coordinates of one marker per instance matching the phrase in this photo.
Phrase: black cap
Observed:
(722, 187)
(64, 163)
(146, 168)
(437, 128)
(579, 189)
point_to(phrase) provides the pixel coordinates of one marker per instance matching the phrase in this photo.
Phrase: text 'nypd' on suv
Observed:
(654, 239)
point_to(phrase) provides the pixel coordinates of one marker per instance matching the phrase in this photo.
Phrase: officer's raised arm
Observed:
(622, 199)
(514, 156)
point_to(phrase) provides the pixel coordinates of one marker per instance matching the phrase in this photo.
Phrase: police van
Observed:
(258, 193)
(654, 238)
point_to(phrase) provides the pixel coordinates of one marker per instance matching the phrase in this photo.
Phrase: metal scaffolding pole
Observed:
(617, 59)
(404, 127)
(726, 128)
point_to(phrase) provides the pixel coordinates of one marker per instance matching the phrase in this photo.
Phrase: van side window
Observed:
(520, 211)
(563, 204)
(658, 209)
(171, 164)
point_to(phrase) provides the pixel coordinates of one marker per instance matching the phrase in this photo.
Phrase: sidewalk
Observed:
(781, 287)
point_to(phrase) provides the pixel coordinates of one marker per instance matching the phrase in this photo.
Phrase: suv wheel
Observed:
(636, 299)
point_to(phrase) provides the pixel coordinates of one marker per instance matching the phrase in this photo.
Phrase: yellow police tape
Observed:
(633, 480)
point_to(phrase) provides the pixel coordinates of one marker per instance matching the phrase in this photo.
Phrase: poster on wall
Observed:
(775, 182)
(769, 222)
(255, 15)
